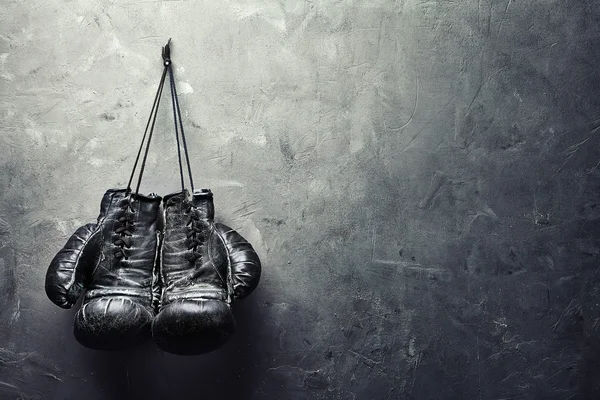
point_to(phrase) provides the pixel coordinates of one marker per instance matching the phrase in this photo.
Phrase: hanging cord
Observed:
(143, 166)
(152, 112)
(165, 52)
(168, 65)
(166, 55)
(177, 117)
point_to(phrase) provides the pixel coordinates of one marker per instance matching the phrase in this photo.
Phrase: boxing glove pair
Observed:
(154, 267)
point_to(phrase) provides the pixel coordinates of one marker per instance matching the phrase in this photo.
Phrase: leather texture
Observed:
(204, 267)
(115, 260)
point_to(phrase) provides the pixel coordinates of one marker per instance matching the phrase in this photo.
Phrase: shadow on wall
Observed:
(145, 372)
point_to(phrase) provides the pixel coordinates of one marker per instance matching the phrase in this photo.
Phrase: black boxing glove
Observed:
(115, 262)
(204, 267)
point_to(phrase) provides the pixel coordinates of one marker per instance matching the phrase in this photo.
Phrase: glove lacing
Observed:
(195, 234)
(125, 231)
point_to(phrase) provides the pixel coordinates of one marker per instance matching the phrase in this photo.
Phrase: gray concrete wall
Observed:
(420, 179)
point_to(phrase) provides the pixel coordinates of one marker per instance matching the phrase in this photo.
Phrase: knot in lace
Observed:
(194, 234)
(124, 228)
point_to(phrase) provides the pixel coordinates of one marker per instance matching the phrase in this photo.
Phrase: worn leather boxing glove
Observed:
(204, 267)
(115, 261)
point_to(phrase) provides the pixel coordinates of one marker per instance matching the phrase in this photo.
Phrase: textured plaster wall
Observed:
(420, 179)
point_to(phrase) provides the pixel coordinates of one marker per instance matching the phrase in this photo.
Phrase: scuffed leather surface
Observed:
(207, 277)
(132, 276)
(112, 323)
(118, 305)
(193, 326)
(196, 293)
